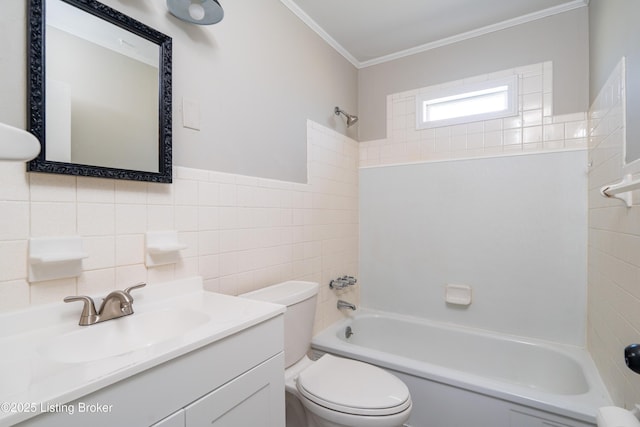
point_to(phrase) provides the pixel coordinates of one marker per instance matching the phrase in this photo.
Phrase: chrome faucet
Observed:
(342, 282)
(114, 305)
(344, 304)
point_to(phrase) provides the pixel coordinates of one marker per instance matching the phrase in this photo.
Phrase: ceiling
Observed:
(367, 32)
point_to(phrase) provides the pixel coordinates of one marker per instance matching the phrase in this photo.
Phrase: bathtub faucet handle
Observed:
(350, 280)
(338, 284)
(342, 282)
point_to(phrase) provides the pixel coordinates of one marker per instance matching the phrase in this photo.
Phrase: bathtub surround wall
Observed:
(479, 225)
(513, 228)
(446, 206)
(242, 232)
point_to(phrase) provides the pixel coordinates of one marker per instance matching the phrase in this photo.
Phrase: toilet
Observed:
(331, 391)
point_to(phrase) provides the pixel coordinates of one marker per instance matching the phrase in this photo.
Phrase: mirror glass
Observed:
(106, 85)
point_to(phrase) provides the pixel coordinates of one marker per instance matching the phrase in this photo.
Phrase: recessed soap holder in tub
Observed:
(458, 294)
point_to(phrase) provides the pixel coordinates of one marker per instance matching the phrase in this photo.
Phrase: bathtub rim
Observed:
(581, 407)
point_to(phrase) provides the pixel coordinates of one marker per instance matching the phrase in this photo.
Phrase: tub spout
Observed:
(343, 304)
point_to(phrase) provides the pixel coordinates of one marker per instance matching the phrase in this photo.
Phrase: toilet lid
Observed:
(353, 387)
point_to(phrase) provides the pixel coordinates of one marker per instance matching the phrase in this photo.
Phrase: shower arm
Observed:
(351, 119)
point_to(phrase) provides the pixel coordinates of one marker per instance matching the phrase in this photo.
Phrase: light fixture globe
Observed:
(201, 12)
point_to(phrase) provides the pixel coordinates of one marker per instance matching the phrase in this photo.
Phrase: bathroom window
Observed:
(468, 103)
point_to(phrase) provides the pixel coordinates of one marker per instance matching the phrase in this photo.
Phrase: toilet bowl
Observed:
(331, 391)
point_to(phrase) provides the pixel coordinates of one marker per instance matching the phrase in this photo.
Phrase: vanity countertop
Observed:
(46, 359)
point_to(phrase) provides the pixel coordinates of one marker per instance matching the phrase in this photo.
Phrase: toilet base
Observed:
(296, 415)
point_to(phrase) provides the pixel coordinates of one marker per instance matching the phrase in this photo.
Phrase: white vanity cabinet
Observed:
(236, 381)
(253, 399)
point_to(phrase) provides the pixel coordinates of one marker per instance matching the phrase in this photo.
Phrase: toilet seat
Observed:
(353, 387)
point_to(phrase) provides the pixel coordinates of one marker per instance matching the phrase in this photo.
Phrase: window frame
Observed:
(426, 98)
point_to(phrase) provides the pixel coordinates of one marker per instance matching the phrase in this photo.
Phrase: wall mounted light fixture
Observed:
(201, 12)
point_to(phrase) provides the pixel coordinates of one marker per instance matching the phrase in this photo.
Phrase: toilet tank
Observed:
(300, 299)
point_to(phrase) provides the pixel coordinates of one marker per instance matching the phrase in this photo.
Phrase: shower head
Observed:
(351, 119)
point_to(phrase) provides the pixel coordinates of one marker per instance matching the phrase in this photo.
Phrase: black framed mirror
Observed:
(99, 92)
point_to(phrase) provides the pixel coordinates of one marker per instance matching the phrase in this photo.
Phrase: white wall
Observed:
(535, 128)
(562, 39)
(614, 235)
(260, 56)
(257, 75)
(242, 232)
(613, 33)
(614, 250)
(513, 228)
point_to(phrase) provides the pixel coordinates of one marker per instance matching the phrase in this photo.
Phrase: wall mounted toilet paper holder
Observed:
(632, 357)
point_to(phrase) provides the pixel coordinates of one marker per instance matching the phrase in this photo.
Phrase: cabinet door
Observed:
(174, 420)
(255, 398)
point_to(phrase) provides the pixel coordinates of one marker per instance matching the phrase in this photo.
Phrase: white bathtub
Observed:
(462, 376)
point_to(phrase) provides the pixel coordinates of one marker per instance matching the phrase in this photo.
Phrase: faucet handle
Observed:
(136, 286)
(342, 282)
(339, 283)
(350, 279)
(89, 314)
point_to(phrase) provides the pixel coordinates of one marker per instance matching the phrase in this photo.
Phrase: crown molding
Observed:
(566, 7)
(575, 4)
(293, 7)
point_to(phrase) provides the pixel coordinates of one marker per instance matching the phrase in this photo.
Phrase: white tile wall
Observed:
(614, 251)
(243, 232)
(534, 129)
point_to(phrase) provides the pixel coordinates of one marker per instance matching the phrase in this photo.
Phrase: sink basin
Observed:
(122, 335)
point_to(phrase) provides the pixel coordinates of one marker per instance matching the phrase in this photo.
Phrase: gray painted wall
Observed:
(258, 76)
(561, 38)
(613, 33)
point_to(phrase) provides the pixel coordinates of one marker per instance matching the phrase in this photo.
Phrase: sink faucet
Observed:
(345, 304)
(116, 304)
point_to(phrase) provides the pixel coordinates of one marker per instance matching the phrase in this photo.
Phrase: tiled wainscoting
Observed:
(614, 245)
(242, 232)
